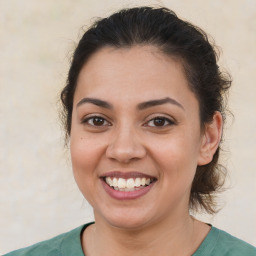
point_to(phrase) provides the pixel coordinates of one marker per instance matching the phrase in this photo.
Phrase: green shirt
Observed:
(216, 243)
(220, 243)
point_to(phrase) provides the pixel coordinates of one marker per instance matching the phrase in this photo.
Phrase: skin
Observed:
(127, 139)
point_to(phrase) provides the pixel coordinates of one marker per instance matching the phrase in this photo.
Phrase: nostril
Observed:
(125, 150)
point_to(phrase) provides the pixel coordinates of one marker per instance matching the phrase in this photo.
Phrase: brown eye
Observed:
(96, 121)
(159, 122)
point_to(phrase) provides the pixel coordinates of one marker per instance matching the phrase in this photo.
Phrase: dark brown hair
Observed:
(176, 38)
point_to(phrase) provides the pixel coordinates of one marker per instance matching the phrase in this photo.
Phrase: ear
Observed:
(210, 139)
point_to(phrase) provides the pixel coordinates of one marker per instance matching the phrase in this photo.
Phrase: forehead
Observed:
(137, 71)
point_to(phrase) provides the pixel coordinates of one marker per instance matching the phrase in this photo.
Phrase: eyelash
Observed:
(93, 118)
(167, 121)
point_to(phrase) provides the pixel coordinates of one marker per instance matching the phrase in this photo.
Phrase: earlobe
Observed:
(210, 139)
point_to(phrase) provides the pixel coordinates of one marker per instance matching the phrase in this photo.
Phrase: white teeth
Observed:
(128, 189)
(109, 181)
(130, 184)
(137, 182)
(121, 183)
(115, 182)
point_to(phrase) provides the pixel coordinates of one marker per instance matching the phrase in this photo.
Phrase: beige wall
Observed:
(39, 198)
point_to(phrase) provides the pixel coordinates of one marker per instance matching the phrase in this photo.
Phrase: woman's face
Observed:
(135, 121)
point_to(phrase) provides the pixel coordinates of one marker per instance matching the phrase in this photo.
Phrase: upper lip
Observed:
(126, 175)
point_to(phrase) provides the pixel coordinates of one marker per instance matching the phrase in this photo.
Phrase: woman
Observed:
(144, 111)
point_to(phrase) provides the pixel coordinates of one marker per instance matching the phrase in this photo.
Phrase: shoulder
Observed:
(221, 243)
(61, 245)
(233, 245)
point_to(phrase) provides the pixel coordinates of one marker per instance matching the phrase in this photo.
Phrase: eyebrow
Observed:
(140, 106)
(152, 103)
(97, 102)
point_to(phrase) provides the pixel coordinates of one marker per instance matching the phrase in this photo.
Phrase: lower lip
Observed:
(126, 195)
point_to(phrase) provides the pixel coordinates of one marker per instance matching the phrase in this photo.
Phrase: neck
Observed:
(170, 238)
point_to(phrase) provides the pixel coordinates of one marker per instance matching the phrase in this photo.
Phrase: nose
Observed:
(125, 146)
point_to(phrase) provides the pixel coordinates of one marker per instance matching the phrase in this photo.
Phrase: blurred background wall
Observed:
(38, 196)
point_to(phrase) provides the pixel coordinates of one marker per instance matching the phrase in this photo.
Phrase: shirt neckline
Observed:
(72, 242)
(209, 243)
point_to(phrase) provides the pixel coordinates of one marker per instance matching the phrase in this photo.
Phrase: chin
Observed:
(128, 224)
(127, 219)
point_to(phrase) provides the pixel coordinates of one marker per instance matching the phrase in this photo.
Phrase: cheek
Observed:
(81, 152)
(85, 156)
(176, 157)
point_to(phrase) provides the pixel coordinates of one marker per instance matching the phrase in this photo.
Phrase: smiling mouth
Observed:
(128, 185)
